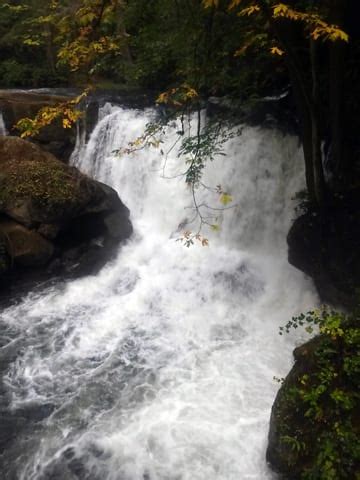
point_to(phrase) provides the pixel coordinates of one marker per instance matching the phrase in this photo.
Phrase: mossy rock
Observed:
(36, 188)
(48, 209)
(315, 426)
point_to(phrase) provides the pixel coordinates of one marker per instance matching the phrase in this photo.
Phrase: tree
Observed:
(241, 48)
(277, 21)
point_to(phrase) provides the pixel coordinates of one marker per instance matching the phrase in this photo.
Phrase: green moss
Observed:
(49, 182)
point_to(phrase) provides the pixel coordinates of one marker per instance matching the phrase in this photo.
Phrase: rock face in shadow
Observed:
(326, 246)
(288, 419)
(53, 219)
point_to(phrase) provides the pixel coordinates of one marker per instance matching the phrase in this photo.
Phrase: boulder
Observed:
(326, 246)
(288, 419)
(5, 261)
(54, 216)
(314, 425)
(25, 247)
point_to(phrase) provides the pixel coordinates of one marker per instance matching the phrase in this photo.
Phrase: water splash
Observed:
(161, 367)
(3, 130)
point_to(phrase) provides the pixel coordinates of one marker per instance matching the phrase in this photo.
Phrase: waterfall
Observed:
(161, 367)
(3, 130)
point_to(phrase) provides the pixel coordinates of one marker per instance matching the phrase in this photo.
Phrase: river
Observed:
(161, 366)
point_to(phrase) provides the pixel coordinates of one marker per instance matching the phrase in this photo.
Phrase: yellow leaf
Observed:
(277, 51)
(210, 3)
(234, 4)
(225, 199)
(215, 227)
(66, 123)
(280, 10)
(249, 11)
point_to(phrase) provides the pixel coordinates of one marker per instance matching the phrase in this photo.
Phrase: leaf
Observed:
(210, 3)
(32, 42)
(234, 4)
(277, 51)
(280, 10)
(215, 227)
(225, 199)
(249, 11)
(66, 123)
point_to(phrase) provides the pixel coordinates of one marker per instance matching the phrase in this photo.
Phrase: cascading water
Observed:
(161, 367)
(3, 130)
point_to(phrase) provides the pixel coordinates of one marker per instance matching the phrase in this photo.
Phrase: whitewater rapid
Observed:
(3, 130)
(161, 367)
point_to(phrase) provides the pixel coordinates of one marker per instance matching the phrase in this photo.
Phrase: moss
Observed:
(45, 182)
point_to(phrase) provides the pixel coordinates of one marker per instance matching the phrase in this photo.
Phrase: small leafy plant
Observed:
(324, 400)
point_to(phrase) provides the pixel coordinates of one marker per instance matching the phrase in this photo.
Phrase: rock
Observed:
(289, 420)
(37, 190)
(314, 425)
(326, 246)
(53, 216)
(26, 248)
(118, 226)
(4, 257)
(49, 230)
(18, 104)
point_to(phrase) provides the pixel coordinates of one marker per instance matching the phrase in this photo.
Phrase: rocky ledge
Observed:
(53, 219)
(326, 246)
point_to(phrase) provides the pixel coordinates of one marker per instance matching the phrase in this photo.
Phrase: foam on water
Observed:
(3, 130)
(161, 367)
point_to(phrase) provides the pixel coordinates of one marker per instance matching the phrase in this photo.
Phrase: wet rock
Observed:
(5, 260)
(26, 248)
(54, 217)
(288, 419)
(326, 246)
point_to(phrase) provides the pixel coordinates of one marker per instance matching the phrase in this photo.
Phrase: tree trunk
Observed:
(336, 99)
(319, 181)
(50, 48)
(306, 136)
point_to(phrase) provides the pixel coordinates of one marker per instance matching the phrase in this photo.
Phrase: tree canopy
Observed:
(245, 49)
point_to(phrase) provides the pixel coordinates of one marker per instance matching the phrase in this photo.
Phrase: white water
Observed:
(2, 125)
(161, 367)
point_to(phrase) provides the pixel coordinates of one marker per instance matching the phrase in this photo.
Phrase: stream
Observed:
(161, 366)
